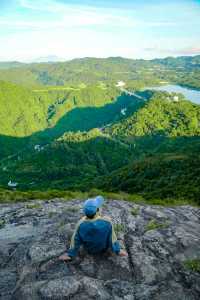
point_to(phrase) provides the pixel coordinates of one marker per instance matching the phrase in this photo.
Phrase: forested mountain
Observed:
(164, 168)
(28, 117)
(86, 123)
(21, 112)
(137, 73)
(11, 64)
(165, 114)
(180, 62)
(24, 111)
(68, 161)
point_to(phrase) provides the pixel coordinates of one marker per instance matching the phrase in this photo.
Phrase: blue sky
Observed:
(68, 29)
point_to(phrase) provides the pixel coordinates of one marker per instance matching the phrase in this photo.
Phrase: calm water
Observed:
(190, 94)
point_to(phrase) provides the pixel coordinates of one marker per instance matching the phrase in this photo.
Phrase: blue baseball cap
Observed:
(90, 205)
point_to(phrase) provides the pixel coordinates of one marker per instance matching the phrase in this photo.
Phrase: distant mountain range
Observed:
(10, 64)
(136, 73)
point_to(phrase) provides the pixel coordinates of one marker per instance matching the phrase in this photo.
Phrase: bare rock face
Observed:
(163, 246)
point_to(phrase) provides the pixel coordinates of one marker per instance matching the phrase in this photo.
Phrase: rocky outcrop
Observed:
(163, 246)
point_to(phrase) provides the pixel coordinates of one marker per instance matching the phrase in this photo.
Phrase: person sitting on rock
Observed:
(94, 232)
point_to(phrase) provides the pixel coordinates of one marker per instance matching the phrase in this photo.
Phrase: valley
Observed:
(95, 123)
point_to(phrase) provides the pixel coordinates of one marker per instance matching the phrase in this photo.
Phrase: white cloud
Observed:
(80, 20)
(58, 15)
(78, 15)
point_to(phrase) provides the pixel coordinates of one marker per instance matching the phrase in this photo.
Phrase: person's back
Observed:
(94, 232)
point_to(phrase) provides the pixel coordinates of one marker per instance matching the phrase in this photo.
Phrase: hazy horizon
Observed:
(39, 59)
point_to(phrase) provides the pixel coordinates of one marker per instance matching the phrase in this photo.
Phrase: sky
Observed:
(33, 29)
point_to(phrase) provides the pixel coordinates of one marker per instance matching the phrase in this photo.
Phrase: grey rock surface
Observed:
(159, 242)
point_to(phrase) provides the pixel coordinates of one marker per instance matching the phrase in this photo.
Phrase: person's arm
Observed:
(75, 242)
(114, 244)
(74, 245)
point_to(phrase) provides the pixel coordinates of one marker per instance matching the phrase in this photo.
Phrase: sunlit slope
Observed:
(21, 112)
(164, 114)
(24, 111)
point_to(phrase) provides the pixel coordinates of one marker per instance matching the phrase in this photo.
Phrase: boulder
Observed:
(163, 246)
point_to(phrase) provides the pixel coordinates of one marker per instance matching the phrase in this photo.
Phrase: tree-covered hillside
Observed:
(24, 111)
(40, 115)
(167, 168)
(164, 114)
(11, 64)
(21, 112)
(66, 162)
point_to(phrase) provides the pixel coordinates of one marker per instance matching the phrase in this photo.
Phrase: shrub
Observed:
(2, 223)
(135, 211)
(33, 205)
(72, 209)
(153, 225)
(119, 228)
(51, 214)
(193, 265)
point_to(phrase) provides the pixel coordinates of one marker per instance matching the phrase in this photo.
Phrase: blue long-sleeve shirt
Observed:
(96, 235)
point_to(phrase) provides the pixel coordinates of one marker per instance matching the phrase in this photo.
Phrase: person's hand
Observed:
(65, 257)
(123, 253)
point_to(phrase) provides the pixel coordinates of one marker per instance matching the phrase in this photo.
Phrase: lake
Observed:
(190, 94)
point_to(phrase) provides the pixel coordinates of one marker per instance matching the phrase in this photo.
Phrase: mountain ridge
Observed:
(183, 70)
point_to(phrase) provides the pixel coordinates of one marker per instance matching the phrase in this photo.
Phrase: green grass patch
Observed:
(51, 214)
(9, 196)
(119, 228)
(61, 225)
(33, 205)
(72, 209)
(2, 223)
(193, 265)
(135, 211)
(170, 202)
(66, 88)
(154, 225)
